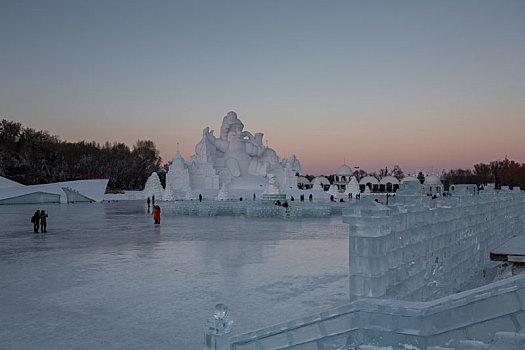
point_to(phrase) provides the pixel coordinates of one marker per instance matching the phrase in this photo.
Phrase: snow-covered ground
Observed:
(104, 277)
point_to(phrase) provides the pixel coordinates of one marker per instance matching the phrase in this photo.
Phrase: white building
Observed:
(369, 181)
(432, 185)
(12, 192)
(342, 177)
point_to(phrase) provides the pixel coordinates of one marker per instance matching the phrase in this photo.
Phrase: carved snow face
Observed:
(231, 115)
(235, 132)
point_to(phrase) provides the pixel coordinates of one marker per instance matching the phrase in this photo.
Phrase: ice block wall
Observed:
(417, 248)
(476, 314)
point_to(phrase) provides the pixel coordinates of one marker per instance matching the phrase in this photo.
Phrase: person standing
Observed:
(200, 197)
(148, 201)
(156, 214)
(153, 200)
(35, 219)
(43, 221)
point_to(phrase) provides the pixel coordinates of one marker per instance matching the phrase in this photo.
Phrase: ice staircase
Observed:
(476, 315)
(73, 196)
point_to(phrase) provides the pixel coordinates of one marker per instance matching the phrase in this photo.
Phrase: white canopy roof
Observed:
(320, 180)
(369, 179)
(389, 179)
(432, 180)
(303, 180)
(344, 170)
(409, 178)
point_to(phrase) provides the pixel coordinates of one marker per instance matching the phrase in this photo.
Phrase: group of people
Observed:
(39, 220)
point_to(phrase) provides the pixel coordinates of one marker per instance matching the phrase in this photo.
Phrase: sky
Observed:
(428, 85)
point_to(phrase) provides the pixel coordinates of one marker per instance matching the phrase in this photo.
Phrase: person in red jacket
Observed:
(156, 214)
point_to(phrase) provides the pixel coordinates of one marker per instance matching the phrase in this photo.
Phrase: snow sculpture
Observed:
(223, 195)
(271, 191)
(352, 187)
(153, 187)
(169, 195)
(178, 176)
(319, 182)
(238, 158)
(333, 191)
(218, 329)
(273, 186)
(189, 195)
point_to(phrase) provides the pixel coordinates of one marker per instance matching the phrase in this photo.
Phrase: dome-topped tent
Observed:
(388, 184)
(320, 180)
(432, 180)
(370, 182)
(409, 178)
(344, 170)
(342, 177)
(433, 185)
(389, 179)
(303, 180)
(303, 183)
(369, 179)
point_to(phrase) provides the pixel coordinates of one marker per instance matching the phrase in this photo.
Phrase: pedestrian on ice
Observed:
(35, 219)
(153, 200)
(43, 221)
(156, 214)
(148, 201)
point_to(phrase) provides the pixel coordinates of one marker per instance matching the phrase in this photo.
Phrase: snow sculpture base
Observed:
(272, 198)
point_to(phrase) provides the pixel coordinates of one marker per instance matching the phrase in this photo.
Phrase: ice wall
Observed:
(252, 209)
(417, 248)
(477, 315)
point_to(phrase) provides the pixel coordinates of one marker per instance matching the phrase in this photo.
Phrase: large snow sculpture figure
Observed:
(236, 158)
(241, 159)
(234, 152)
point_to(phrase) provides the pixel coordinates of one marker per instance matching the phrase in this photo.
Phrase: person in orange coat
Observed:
(156, 214)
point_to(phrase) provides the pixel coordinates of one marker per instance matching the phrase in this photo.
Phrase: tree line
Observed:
(499, 172)
(32, 157)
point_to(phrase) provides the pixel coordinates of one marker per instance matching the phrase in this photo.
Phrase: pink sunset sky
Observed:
(426, 85)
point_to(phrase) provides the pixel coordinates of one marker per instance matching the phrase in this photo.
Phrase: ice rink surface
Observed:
(105, 277)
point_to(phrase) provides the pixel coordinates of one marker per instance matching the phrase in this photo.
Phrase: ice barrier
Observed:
(417, 248)
(477, 314)
(253, 209)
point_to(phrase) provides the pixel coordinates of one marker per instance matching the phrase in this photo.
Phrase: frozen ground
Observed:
(104, 277)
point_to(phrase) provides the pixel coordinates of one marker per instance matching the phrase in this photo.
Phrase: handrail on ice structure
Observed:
(474, 314)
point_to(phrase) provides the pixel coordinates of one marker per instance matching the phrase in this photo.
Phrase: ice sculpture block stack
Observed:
(417, 248)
